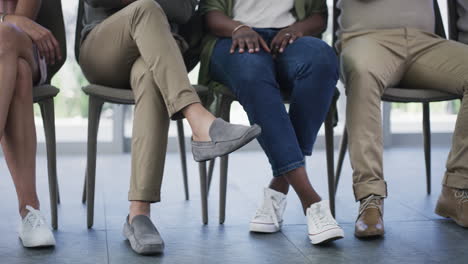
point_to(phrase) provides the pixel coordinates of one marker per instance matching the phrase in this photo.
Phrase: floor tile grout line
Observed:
(295, 246)
(415, 209)
(105, 228)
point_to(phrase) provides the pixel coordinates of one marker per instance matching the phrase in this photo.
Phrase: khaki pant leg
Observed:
(443, 65)
(139, 30)
(149, 139)
(370, 63)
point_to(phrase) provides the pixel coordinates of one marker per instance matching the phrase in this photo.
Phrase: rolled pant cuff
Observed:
(174, 108)
(288, 168)
(144, 196)
(455, 180)
(364, 189)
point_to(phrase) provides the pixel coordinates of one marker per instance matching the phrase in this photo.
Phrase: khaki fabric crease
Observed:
(374, 60)
(135, 48)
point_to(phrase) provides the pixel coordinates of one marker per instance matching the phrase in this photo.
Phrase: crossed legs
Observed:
(136, 44)
(17, 129)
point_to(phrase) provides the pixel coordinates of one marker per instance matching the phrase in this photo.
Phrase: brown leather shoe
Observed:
(453, 203)
(370, 219)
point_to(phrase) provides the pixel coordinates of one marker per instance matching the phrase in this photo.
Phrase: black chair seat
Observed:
(401, 95)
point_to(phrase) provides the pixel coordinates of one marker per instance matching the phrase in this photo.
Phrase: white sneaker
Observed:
(269, 217)
(322, 226)
(34, 231)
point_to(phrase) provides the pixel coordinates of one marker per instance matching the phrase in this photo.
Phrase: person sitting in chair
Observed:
(261, 49)
(25, 48)
(385, 43)
(128, 43)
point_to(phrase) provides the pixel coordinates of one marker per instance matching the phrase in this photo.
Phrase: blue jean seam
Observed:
(288, 168)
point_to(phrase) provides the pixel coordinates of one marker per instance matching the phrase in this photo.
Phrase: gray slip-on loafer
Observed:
(143, 236)
(225, 138)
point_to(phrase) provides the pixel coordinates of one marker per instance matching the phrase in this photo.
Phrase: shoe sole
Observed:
(264, 228)
(369, 234)
(139, 248)
(327, 236)
(40, 244)
(445, 213)
(253, 133)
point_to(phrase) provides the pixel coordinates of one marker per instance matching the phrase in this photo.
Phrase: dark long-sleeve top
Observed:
(96, 11)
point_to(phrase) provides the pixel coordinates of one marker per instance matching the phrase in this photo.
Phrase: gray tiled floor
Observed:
(414, 233)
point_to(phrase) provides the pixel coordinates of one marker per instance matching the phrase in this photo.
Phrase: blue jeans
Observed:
(307, 71)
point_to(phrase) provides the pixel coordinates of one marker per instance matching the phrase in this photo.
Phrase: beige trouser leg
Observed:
(134, 47)
(370, 62)
(443, 65)
(149, 139)
(140, 29)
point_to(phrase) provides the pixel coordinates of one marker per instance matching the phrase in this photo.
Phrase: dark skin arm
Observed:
(311, 26)
(246, 38)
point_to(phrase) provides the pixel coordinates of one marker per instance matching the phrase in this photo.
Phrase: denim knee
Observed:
(318, 58)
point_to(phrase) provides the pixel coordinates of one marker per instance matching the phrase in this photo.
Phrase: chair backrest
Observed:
(79, 28)
(439, 25)
(453, 18)
(51, 17)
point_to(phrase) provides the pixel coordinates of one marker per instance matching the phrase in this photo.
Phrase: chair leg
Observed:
(95, 108)
(183, 156)
(225, 114)
(330, 158)
(203, 191)
(223, 188)
(48, 118)
(58, 193)
(83, 197)
(427, 144)
(210, 173)
(341, 156)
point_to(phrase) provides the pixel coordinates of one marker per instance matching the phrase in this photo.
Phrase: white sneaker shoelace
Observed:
(269, 209)
(34, 218)
(321, 218)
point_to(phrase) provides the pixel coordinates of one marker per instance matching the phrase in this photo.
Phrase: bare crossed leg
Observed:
(17, 131)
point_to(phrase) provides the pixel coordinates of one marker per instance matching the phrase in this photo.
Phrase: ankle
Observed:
(201, 128)
(200, 121)
(34, 203)
(282, 189)
(307, 204)
(139, 208)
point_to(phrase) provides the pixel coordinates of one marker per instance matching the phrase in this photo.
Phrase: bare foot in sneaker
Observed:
(34, 231)
(453, 203)
(269, 216)
(322, 226)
